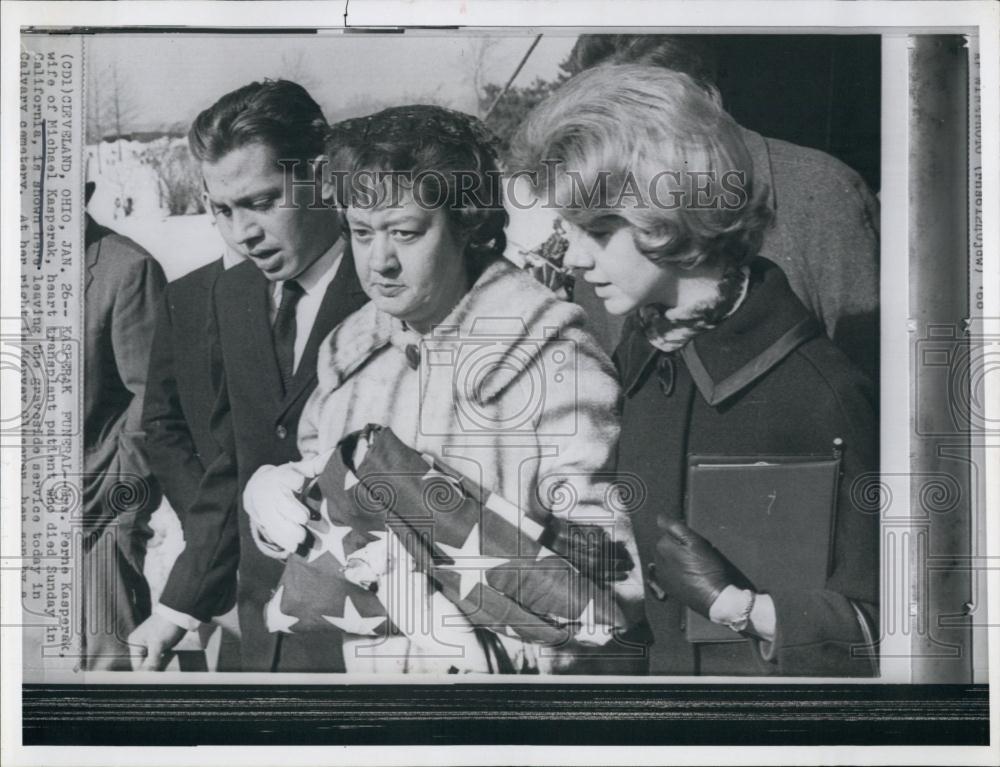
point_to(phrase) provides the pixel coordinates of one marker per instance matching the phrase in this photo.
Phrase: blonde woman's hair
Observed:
(649, 146)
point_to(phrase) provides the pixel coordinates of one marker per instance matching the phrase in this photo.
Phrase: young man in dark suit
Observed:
(268, 317)
(178, 406)
(179, 396)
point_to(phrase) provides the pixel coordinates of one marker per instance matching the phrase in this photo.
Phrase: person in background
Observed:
(825, 231)
(719, 358)
(122, 285)
(268, 317)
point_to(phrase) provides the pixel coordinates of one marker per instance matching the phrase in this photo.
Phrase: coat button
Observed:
(413, 356)
(666, 374)
(282, 432)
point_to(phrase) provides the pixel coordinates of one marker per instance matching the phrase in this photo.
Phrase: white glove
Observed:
(278, 517)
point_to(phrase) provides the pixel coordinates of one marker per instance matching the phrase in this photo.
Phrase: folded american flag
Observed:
(503, 570)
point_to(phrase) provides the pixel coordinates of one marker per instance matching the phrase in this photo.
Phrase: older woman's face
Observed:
(409, 261)
(623, 278)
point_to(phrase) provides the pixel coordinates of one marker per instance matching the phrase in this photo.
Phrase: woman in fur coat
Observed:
(469, 361)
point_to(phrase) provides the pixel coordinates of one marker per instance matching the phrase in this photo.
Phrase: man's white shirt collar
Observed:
(318, 275)
(314, 281)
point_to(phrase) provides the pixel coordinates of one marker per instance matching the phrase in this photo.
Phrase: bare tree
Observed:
(178, 181)
(95, 123)
(111, 109)
(293, 67)
(120, 104)
(480, 78)
(111, 103)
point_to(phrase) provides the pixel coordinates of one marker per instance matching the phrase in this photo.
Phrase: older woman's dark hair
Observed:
(442, 157)
(277, 113)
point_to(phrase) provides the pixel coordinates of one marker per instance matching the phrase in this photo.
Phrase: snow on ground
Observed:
(180, 243)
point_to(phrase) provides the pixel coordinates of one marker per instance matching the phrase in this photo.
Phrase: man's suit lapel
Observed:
(343, 297)
(92, 249)
(257, 327)
(195, 321)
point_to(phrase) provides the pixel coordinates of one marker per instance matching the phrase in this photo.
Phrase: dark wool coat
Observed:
(765, 382)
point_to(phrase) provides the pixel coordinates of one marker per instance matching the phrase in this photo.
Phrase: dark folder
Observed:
(771, 517)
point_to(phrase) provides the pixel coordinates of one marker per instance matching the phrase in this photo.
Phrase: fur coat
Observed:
(510, 389)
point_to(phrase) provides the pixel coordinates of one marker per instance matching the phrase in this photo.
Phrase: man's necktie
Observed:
(284, 330)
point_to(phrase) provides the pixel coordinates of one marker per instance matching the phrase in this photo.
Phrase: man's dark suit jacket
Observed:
(122, 285)
(255, 423)
(179, 394)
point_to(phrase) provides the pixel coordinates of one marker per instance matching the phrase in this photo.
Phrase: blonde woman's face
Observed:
(605, 254)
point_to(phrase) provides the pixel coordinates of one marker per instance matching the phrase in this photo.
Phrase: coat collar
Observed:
(504, 303)
(93, 233)
(724, 361)
(760, 156)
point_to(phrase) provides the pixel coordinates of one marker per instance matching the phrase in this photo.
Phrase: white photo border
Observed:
(892, 19)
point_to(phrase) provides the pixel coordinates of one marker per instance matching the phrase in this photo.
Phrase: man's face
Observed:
(245, 189)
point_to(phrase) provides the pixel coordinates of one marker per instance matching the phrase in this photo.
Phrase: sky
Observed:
(167, 79)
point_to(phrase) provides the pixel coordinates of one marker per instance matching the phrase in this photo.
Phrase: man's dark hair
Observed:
(694, 55)
(277, 113)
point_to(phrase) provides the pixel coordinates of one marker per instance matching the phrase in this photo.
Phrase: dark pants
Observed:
(115, 596)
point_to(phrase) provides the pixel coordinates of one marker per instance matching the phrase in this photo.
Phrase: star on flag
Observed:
(469, 574)
(352, 622)
(274, 618)
(350, 479)
(332, 541)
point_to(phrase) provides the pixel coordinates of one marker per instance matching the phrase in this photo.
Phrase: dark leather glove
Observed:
(589, 549)
(692, 570)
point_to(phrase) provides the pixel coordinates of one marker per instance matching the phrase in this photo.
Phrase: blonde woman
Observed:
(718, 358)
